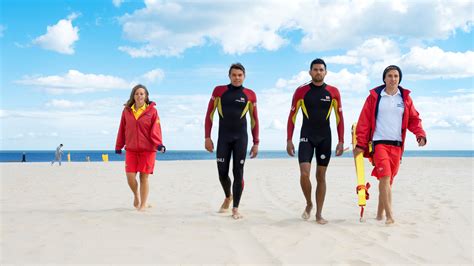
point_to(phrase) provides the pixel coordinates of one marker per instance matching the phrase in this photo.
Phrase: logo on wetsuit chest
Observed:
(241, 100)
(327, 99)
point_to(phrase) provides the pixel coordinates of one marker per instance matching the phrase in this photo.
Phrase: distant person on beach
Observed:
(383, 122)
(233, 102)
(316, 99)
(58, 155)
(23, 158)
(140, 133)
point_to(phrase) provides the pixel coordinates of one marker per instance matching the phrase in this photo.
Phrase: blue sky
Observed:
(68, 66)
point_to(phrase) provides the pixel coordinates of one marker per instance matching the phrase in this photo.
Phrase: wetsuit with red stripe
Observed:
(316, 103)
(232, 104)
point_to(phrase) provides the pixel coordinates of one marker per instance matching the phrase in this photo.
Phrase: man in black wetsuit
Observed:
(232, 102)
(315, 99)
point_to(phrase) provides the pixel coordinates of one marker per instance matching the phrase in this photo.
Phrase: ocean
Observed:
(96, 155)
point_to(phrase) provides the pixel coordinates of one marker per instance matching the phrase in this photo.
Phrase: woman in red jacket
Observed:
(140, 133)
(383, 122)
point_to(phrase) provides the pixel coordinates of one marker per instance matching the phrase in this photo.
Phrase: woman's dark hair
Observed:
(131, 100)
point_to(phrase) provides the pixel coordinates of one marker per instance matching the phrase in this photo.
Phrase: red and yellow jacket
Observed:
(142, 134)
(368, 116)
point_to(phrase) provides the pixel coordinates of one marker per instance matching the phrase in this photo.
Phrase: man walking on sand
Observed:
(383, 122)
(315, 99)
(232, 102)
(58, 155)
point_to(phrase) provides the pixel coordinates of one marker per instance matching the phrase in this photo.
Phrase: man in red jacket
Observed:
(383, 122)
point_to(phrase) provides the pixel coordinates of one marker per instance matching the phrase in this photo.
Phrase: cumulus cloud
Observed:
(75, 82)
(154, 76)
(343, 79)
(117, 3)
(168, 28)
(446, 113)
(433, 62)
(419, 63)
(59, 103)
(60, 37)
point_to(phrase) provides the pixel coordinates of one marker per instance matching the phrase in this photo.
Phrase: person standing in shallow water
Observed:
(140, 133)
(383, 122)
(232, 102)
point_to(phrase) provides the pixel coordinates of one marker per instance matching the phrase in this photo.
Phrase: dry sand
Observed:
(83, 213)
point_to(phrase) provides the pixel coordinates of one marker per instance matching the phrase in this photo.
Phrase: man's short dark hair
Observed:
(238, 66)
(392, 67)
(317, 61)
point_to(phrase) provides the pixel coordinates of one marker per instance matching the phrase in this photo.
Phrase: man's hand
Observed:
(118, 151)
(421, 141)
(290, 148)
(340, 149)
(208, 145)
(254, 151)
(357, 151)
(161, 148)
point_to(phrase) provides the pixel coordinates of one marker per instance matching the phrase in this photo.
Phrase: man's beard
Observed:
(317, 79)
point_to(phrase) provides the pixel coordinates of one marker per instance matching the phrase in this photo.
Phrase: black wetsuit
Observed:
(232, 104)
(316, 102)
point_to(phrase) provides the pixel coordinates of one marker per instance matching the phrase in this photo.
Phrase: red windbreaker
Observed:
(142, 134)
(368, 116)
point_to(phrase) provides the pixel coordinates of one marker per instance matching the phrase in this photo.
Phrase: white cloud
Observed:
(168, 28)
(347, 81)
(344, 80)
(64, 104)
(96, 105)
(2, 29)
(419, 63)
(297, 80)
(153, 76)
(75, 82)
(433, 62)
(117, 3)
(446, 112)
(60, 37)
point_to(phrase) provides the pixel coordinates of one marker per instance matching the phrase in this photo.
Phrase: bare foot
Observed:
(143, 207)
(307, 212)
(389, 221)
(225, 205)
(136, 202)
(321, 220)
(235, 214)
(379, 218)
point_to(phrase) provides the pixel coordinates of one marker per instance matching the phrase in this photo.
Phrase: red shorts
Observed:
(143, 162)
(387, 161)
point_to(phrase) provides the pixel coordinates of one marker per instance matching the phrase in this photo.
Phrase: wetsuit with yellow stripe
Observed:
(232, 104)
(316, 103)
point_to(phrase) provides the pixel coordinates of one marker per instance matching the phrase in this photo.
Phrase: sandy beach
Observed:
(82, 213)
